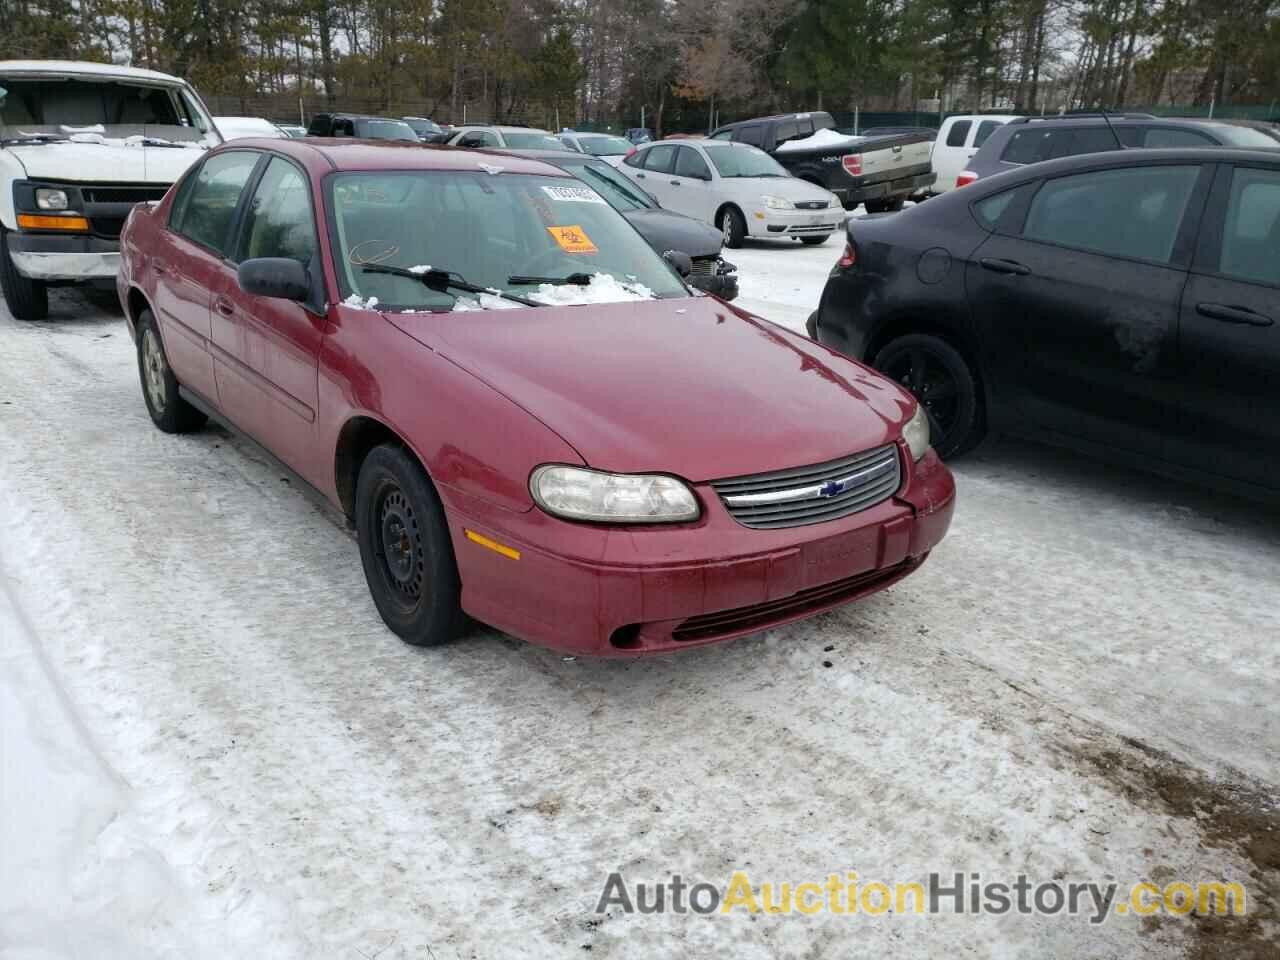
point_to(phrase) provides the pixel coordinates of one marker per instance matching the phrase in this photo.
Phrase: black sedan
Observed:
(1121, 303)
(665, 230)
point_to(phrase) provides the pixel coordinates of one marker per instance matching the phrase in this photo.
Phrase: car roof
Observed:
(83, 67)
(984, 116)
(345, 153)
(1133, 156)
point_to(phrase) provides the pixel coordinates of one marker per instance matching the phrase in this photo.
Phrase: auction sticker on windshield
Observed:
(573, 239)
(573, 194)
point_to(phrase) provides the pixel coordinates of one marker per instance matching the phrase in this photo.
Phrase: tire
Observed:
(873, 206)
(732, 227)
(938, 375)
(27, 299)
(406, 550)
(815, 241)
(168, 410)
(895, 204)
(811, 326)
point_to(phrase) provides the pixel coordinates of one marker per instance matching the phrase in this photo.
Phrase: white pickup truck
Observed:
(80, 144)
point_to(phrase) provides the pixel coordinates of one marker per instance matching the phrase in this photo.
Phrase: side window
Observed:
(1157, 137)
(1130, 212)
(689, 163)
(490, 138)
(659, 158)
(343, 128)
(787, 130)
(1093, 140)
(211, 207)
(722, 135)
(635, 159)
(1031, 145)
(278, 221)
(179, 205)
(752, 134)
(990, 210)
(805, 126)
(958, 133)
(1251, 238)
(985, 129)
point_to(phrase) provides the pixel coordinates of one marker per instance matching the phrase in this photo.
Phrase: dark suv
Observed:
(360, 127)
(1034, 139)
(1123, 303)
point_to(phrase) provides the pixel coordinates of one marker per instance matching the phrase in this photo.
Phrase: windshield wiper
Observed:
(573, 279)
(33, 138)
(442, 281)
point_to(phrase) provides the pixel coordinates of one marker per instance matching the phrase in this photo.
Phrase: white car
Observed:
(80, 145)
(238, 128)
(739, 188)
(482, 135)
(609, 148)
(957, 141)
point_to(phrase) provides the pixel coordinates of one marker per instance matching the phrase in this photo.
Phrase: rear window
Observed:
(1158, 137)
(384, 130)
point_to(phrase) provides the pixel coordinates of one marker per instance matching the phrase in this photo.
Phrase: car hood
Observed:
(106, 162)
(690, 387)
(788, 188)
(666, 230)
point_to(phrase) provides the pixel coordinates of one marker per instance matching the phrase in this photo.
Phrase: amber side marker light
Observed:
(509, 552)
(36, 221)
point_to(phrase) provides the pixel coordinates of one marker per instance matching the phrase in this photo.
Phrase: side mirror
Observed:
(277, 277)
(681, 261)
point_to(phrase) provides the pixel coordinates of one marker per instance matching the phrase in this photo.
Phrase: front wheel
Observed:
(942, 381)
(815, 241)
(27, 299)
(733, 228)
(405, 549)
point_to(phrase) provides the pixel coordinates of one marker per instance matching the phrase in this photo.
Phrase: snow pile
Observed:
(485, 301)
(603, 288)
(421, 268)
(819, 140)
(355, 300)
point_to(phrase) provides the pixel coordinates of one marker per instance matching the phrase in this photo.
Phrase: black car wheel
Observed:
(27, 299)
(168, 410)
(940, 378)
(815, 241)
(733, 227)
(405, 549)
(811, 326)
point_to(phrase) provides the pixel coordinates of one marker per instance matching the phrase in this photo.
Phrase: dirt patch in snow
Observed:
(1231, 816)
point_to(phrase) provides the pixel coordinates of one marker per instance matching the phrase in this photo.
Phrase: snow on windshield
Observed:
(818, 140)
(603, 288)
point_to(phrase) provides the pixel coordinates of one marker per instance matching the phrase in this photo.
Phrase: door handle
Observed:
(1228, 314)
(224, 307)
(1010, 267)
(675, 183)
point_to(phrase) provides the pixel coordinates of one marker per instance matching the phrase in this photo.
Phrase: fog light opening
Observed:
(626, 638)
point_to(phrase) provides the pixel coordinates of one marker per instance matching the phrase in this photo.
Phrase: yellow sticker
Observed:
(573, 239)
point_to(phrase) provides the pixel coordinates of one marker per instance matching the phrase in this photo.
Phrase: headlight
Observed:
(579, 494)
(777, 203)
(47, 198)
(916, 433)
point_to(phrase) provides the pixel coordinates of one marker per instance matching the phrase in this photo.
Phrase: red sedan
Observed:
(523, 409)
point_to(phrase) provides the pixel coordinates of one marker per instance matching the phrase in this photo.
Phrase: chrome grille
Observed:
(705, 266)
(803, 495)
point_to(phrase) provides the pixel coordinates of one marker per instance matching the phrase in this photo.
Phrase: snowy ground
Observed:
(212, 748)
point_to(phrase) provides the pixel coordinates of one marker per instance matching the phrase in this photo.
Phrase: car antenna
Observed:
(1106, 119)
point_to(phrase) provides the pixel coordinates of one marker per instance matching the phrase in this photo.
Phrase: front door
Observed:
(1230, 334)
(1081, 304)
(690, 184)
(268, 349)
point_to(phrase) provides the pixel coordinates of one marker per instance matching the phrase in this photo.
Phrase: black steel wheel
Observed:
(406, 550)
(940, 378)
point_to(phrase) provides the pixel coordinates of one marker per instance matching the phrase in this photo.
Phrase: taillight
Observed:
(848, 258)
(967, 177)
(852, 163)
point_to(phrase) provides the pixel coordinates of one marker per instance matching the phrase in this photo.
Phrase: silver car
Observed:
(605, 146)
(739, 188)
(483, 135)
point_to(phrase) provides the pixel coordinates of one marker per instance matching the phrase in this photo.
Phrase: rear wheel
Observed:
(815, 241)
(168, 410)
(405, 549)
(941, 379)
(27, 299)
(733, 228)
(811, 326)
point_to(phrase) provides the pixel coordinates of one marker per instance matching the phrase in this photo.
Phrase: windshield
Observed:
(736, 160)
(606, 146)
(1246, 137)
(448, 220)
(621, 193)
(533, 141)
(97, 106)
(384, 130)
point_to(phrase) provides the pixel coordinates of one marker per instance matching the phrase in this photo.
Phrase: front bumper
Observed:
(49, 257)
(588, 589)
(796, 223)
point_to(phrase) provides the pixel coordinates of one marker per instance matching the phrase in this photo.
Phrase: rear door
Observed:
(655, 171)
(189, 261)
(267, 349)
(1081, 303)
(1229, 420)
